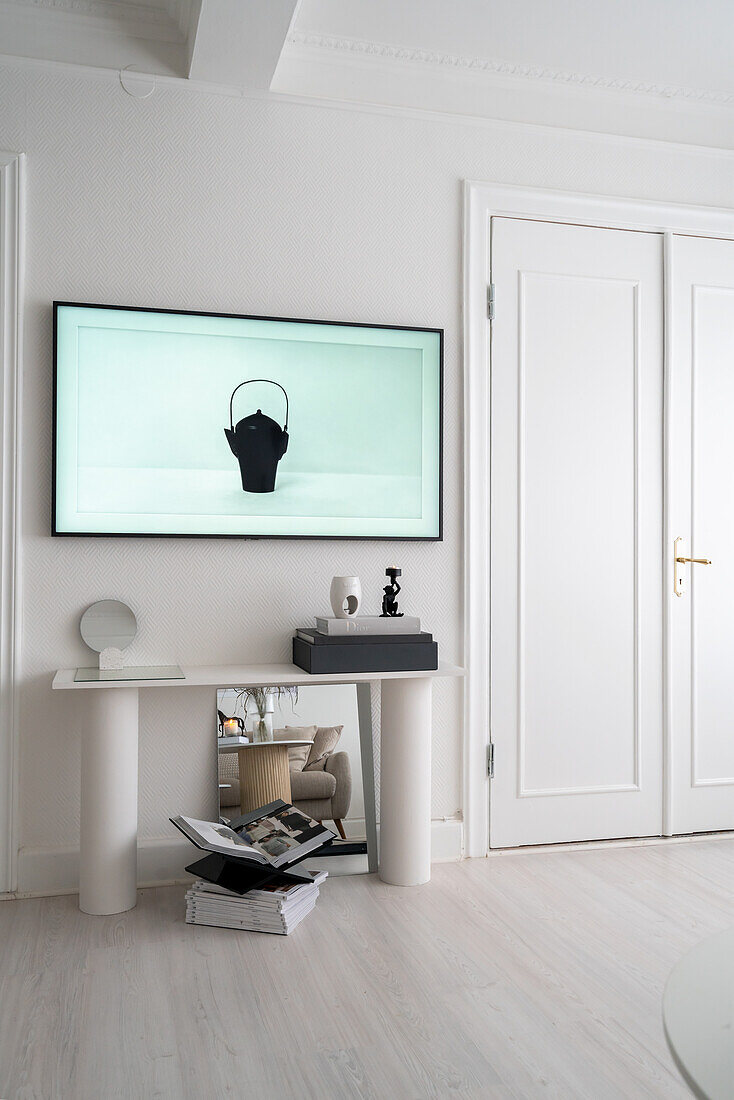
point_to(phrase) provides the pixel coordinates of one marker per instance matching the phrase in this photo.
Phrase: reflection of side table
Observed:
(264, 773)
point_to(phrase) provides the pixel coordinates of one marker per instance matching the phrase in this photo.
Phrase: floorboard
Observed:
(534, 974)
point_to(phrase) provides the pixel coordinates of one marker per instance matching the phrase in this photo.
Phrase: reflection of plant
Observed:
(259, 696)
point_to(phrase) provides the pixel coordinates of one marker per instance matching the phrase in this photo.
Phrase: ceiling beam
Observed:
(239, 42)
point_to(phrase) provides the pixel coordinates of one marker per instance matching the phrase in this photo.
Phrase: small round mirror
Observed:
(108, 623)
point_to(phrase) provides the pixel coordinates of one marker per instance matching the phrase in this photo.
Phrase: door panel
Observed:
(576, 533)
(701, 512)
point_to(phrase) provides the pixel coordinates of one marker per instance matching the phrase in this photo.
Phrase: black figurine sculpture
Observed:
(225, 720)
(390, 599)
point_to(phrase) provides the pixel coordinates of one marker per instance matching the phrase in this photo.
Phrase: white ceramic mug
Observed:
(345, 595)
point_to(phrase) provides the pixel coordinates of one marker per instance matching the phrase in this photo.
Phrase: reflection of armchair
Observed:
(324, 791)
(321, 779)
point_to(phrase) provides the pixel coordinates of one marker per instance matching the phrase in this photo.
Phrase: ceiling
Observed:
(108, 34)
(622, 65)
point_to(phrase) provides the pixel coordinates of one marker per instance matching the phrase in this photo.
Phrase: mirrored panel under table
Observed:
(310, 746)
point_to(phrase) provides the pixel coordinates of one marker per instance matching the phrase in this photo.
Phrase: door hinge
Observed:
(490, 301)
(490, 760)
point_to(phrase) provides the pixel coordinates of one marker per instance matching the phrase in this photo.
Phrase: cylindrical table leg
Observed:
(405, 781)
(264, 775)
(108, 856)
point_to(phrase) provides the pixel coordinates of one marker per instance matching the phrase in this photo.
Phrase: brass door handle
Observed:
(679, 579)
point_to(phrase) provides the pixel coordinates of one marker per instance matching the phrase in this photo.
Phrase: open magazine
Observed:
(274, 836)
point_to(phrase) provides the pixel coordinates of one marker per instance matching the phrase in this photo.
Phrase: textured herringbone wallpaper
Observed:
(202, 201)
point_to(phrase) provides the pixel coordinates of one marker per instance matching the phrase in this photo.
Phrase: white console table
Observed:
(109, 787)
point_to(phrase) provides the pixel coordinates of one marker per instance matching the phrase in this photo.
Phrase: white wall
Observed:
(201, 201)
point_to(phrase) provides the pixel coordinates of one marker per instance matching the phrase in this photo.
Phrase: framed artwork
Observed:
(200, 424)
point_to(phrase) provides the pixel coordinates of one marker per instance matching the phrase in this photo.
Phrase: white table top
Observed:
(234, 744)
(246, 676)
(698, 1015)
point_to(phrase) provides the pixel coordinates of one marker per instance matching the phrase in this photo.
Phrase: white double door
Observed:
(612, 698)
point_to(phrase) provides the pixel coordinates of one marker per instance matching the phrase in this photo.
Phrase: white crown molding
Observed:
(385, 52)
(708, 149)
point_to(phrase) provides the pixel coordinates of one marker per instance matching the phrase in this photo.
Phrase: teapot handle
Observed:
(246, 383)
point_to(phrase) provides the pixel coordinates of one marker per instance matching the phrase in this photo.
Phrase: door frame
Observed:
(12, 166)
(482, 202)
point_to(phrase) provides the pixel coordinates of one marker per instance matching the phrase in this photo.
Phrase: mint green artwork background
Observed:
(353, 408)
(143, 399)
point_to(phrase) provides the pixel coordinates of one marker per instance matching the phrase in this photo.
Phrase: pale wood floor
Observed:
(525, 975)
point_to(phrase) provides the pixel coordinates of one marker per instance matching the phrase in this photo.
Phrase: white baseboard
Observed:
(447, 840)
(43, 872)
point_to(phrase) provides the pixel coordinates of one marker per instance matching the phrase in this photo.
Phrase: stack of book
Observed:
(276, 909)
(365, 643)
(249, 877)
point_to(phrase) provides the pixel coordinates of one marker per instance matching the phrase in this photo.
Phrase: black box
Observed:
(365, 657)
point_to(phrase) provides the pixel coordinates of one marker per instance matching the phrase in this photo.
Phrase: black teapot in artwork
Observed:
(258, 443)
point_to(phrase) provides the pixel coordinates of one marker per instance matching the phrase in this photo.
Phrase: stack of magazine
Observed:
(249, 877)
(277, 909)
(365, 643)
